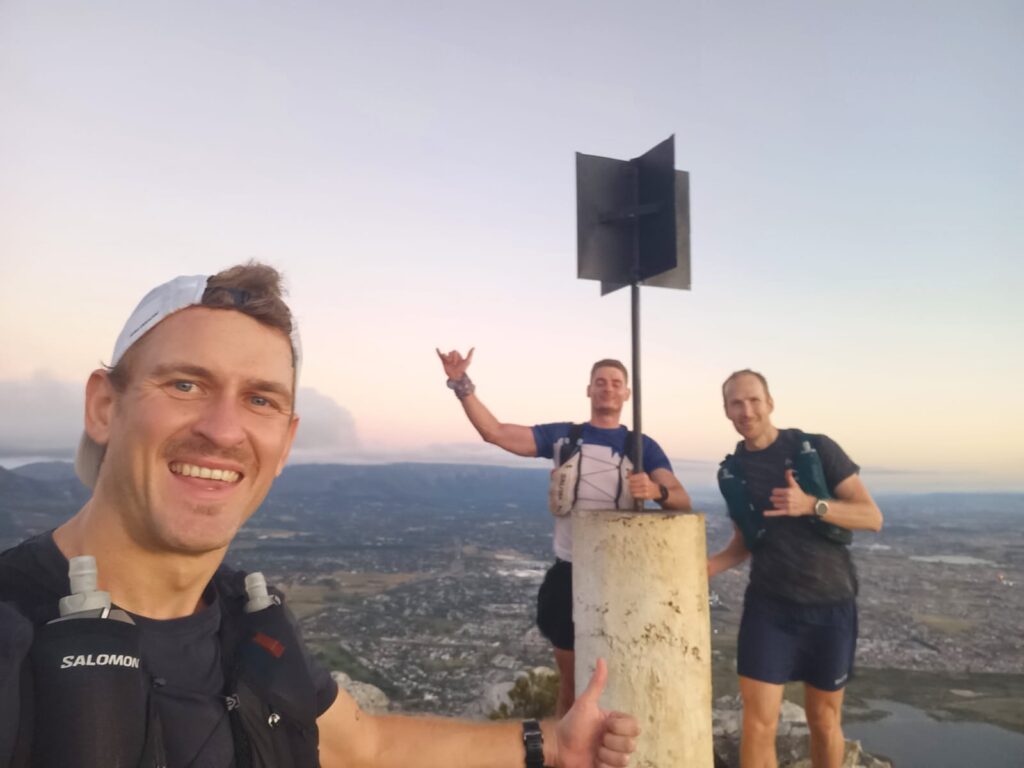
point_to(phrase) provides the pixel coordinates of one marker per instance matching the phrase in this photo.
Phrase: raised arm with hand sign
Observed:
(514, 438)
(454, 363)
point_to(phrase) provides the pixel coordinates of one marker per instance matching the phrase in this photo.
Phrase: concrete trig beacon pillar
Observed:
(640, 600)
(640, 588)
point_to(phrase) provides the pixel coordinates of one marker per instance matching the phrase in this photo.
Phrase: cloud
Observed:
(40, 416)
(325, 427)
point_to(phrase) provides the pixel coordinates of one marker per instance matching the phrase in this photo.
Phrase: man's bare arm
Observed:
(586, 737)
(514, 438)
(731, 555)
(350, 738)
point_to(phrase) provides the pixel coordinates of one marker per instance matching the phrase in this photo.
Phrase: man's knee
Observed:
(824, 719)
(760, 720)
(761, 704)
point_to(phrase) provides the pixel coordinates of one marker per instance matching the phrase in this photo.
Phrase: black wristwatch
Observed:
(663, 497)
(533, 740)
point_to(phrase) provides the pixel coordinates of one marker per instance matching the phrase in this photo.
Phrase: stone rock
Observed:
(792, 720)
(494, 697)
(792, 744)
(727, 723)
(497, 693)
(792, 713)
(370, 698)
(503, 661)
(853, 757)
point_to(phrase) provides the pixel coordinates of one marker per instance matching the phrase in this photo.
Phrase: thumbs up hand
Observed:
(589, 737)
(790, 501)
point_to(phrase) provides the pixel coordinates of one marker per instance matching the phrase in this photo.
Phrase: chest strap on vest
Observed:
(573, 445)
(269, 693)
(749, 520)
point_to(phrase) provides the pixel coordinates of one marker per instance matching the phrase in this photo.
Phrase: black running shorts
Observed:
(554, 606)
(781, 641)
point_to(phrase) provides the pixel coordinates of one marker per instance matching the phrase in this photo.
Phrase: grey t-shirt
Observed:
(793, 562)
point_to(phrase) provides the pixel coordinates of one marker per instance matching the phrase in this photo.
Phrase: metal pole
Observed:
(638, 442)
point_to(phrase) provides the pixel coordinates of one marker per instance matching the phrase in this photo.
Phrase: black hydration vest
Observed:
(810, 476)
(85, 699)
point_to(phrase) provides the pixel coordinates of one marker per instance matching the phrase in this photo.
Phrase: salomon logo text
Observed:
(100, 660)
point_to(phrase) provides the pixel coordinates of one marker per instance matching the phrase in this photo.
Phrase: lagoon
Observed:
(952, 559)
(912, 739)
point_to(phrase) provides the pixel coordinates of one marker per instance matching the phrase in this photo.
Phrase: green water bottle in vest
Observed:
(809, 472)
(810, 475)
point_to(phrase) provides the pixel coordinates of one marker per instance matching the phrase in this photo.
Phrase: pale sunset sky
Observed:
(857, 188)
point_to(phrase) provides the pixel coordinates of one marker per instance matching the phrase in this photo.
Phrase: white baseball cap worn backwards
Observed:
(161, 302)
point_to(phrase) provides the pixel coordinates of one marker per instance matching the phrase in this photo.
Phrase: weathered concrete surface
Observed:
(641, 601)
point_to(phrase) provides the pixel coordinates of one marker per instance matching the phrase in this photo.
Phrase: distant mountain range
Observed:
(41, 495)
(35, 497)
(40, 485)
(410, 482)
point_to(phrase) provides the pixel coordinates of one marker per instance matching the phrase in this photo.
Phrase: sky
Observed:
(857, 207)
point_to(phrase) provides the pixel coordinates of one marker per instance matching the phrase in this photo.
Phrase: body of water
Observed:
(912, 739)
(951, 559)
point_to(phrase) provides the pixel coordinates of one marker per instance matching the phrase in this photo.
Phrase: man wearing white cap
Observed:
(184, 434)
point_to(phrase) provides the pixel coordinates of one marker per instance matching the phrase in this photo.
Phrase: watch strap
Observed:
(533, 741)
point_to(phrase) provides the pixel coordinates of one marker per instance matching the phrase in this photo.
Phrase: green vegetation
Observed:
(336, 658)
(534, 695)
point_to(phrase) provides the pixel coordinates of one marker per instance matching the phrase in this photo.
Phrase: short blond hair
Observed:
(745, 372)
(609, 363)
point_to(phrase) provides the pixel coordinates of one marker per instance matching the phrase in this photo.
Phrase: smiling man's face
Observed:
(200, 430)
(749, 407)
(607, 391)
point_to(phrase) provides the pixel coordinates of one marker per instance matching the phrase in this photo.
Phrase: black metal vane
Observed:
(633, 228)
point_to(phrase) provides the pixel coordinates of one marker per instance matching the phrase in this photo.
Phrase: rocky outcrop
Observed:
(727, 716)
(370, 698)
(791, 743)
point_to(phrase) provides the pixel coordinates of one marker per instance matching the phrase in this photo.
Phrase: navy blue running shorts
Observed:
(781, 641)
(554, 606)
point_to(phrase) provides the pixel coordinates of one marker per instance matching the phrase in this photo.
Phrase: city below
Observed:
(421, 580)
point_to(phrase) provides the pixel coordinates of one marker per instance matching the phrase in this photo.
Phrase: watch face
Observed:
(821, 508)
